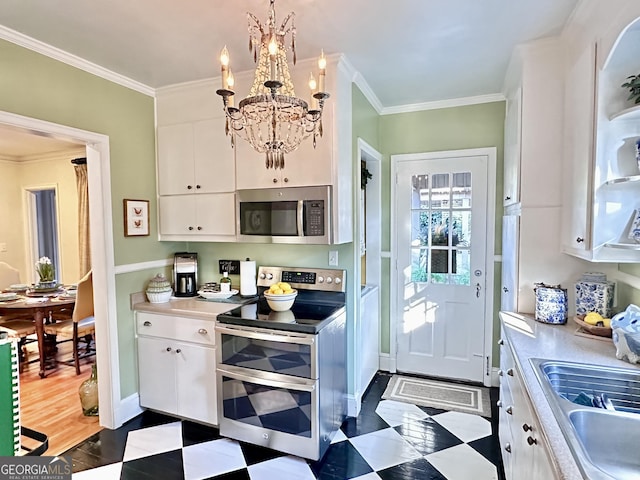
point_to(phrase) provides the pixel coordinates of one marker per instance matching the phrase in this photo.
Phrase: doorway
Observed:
(443, 210)
(96, 149)
(42, 224)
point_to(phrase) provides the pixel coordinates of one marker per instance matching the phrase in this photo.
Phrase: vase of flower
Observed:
(89, 394)
(46, 273)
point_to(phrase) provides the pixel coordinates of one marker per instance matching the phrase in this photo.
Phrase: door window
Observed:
(441, 228)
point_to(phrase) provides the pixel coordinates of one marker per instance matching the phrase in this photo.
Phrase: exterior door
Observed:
(440, 248)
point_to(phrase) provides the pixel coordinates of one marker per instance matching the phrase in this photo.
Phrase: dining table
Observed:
(41, 307)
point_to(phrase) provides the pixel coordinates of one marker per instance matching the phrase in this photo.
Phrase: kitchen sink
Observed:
(604, 442)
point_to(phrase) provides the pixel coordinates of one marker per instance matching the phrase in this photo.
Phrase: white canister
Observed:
(248, 286)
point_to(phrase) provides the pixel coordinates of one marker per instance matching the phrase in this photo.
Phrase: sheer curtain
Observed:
(84, 233)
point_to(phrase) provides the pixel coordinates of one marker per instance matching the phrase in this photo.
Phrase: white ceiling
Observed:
(408, 51)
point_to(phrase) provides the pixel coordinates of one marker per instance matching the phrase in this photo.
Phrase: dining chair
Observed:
(8, 275)
(21, 329)
(80, 326)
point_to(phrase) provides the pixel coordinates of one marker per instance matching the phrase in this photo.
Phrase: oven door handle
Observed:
(237, 374)
(272, 337)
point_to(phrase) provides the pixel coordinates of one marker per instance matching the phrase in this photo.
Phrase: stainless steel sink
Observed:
(603, 442)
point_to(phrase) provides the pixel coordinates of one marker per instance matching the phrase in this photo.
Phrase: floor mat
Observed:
(439, 394)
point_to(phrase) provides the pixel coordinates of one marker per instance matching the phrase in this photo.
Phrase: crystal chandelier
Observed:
(272, 119)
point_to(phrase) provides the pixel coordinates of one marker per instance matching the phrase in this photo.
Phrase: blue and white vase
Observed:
(551, 304)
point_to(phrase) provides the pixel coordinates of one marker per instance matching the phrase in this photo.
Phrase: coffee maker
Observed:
(185, 274)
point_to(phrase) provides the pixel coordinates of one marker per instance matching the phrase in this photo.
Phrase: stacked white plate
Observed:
(5, 297)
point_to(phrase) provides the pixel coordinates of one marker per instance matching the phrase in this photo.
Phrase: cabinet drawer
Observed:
(176, 328)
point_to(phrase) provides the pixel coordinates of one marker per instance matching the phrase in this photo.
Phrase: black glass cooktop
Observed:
(302, 317)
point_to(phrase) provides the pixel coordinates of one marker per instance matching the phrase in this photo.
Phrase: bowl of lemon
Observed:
(280, 296)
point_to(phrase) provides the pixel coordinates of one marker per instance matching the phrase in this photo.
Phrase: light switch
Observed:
(333, 258)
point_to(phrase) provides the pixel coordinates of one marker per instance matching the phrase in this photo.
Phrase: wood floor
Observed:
(52, 405)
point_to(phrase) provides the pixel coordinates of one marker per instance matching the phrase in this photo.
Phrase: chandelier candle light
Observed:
(272, 119)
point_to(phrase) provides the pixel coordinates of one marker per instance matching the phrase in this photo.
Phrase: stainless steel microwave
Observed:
(284, 215)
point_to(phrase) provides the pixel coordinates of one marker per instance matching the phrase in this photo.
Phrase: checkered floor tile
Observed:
(389, 440)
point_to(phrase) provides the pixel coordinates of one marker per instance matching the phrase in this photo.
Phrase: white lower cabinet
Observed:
(524, 451)
(176, 376)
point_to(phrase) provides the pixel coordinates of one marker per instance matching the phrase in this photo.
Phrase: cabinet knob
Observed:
(510, 372)
(507, 447)
(507, 197)
(500, 373)
(499, 403)
(505, 289)
(199, 227)
(202, 331)
(286, 180)
(527, 428)
(147, 323)
(178, 350)
(532, 441)
(189, 187)
(168, 349)
(198, 187)
(275, 180)
(190, 228)
(509, 410)
(579, 239)
(501, 341)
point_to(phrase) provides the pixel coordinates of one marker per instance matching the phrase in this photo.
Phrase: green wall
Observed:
(473, 126)
(37, 86)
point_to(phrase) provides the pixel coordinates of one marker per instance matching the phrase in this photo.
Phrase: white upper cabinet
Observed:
(601, 128)
(307, 165)
(512, 134)
(195, 157)
(580, 98)
(533, 142)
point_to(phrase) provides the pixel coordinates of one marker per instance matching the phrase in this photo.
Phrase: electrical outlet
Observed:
(231, 266)
(333, 258)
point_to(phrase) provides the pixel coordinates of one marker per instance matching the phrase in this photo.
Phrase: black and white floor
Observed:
(388, 440)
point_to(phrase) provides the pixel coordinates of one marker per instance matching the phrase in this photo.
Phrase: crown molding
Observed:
(72, 60)
(65, 154)
(454, 102)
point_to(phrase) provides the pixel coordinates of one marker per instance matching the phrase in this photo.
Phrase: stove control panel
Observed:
(322, 279)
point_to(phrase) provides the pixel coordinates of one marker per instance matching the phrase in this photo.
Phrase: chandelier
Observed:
(272, 119)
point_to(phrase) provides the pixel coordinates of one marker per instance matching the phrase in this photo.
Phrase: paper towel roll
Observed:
(248, 278)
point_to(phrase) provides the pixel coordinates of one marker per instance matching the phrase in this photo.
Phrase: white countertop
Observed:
(531, 339)
(191, 307)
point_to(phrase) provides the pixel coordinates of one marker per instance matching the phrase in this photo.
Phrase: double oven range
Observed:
(281, 376)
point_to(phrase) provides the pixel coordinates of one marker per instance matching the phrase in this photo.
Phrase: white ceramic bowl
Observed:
(216, 295)
(159, 297)
(280, 303)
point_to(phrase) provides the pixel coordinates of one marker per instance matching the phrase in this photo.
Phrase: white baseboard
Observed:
(354, 402)
(387, 364)
(128, 409)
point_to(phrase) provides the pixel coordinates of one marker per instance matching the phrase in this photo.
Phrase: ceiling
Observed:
(408, 51)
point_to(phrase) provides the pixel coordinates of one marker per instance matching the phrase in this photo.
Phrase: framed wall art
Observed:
(136, 218)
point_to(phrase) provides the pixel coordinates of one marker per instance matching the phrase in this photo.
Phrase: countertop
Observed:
(194, 307)
(531, 339)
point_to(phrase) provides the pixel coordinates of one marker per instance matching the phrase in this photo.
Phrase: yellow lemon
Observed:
(284, 286)
(289, 290)
(277, 291)
(607, 322)
(592, 318)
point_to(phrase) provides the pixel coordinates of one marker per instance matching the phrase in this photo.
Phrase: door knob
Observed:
(579, 239)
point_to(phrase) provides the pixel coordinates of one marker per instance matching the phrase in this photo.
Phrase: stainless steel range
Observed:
(281, 376)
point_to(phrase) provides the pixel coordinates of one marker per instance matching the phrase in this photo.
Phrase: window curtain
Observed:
(84, 233)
